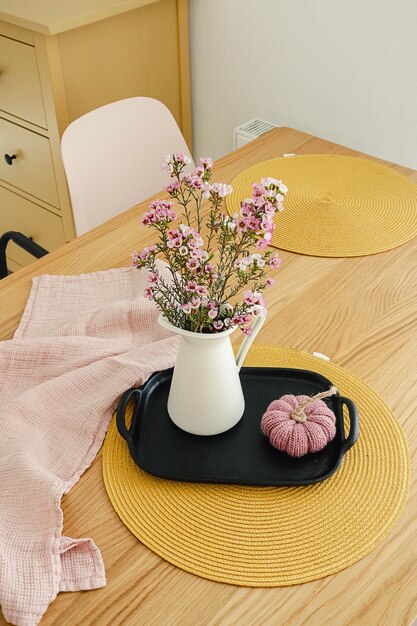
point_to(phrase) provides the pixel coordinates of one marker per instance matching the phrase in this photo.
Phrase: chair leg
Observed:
(21, 240)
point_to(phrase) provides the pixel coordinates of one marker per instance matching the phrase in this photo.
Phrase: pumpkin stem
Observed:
(298, 414)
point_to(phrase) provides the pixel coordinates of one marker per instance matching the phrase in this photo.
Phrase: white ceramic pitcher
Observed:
(206, 396)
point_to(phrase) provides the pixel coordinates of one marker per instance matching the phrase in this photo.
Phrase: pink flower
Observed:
(174, 238)
(199, 171)
(269, 282)
(241, 225)
(247, 207)
(261, 244)
(193, 264)
(195, 302)
(258, 189)
(172, 160)
(159, 211)
(270, 182)
(216, 190)
(270, 194)
(183, 251)
(222, 189)
(218, 324)
(248, 297)
(161, 204)
(202, 290)
(186, 308)
(206, 162)
(148, 293)
(253, 222)
(172, 188)
(247, 331)
(202, 255)
(251, 297)
(257, 309)
(213, 313)
(152, 277)
(206, 189)
(146, 252)
(240, 265)
(185, 230)
(191, 285)
(275, 261)
(193, 181)
(270, 210)
(180, 157)
(167, 164)
(267, 224)
(196, 241)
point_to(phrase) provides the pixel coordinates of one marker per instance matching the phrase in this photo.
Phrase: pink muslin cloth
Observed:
(82, 341)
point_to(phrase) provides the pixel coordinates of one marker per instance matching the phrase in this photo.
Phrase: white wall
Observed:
(344, 70)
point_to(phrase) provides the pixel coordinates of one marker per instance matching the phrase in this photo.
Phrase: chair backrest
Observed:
(112, 157)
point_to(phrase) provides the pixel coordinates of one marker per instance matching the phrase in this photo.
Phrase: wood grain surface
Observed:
(361, 312)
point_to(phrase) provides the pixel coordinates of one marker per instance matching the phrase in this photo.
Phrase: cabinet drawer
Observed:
(20, 88)
(19, 214)
(32, 169)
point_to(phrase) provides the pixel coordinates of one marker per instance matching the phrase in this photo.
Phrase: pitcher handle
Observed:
(247, 342)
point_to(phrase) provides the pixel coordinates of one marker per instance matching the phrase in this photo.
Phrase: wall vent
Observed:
(251, 130)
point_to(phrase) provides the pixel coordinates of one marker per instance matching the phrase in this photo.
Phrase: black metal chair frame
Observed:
(21, 240)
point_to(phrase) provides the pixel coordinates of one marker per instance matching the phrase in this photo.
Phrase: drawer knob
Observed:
(9, 158)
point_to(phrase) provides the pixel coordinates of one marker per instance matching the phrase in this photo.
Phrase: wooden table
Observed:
(368, 326)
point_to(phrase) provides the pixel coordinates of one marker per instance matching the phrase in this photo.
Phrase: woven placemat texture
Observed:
(272, 536)
(336, 206)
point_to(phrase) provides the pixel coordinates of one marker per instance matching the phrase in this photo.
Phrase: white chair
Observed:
(112, 157)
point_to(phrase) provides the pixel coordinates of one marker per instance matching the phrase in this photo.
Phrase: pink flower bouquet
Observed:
(218, 267)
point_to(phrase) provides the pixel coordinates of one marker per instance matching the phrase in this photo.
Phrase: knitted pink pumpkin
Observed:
(299, 424)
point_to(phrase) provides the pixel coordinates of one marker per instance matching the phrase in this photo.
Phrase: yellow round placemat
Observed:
(272, 536)
(336, 206)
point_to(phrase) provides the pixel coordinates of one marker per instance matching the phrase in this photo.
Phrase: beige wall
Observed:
(345, 70)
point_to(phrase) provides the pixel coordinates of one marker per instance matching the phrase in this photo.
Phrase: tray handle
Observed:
(126, 432)
(354, 423)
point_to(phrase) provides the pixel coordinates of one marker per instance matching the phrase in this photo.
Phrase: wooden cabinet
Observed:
(59, 60)
(30, 165)
(27, 216)
(20, 87)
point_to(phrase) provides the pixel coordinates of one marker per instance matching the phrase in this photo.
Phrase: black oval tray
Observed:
(242, 455)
